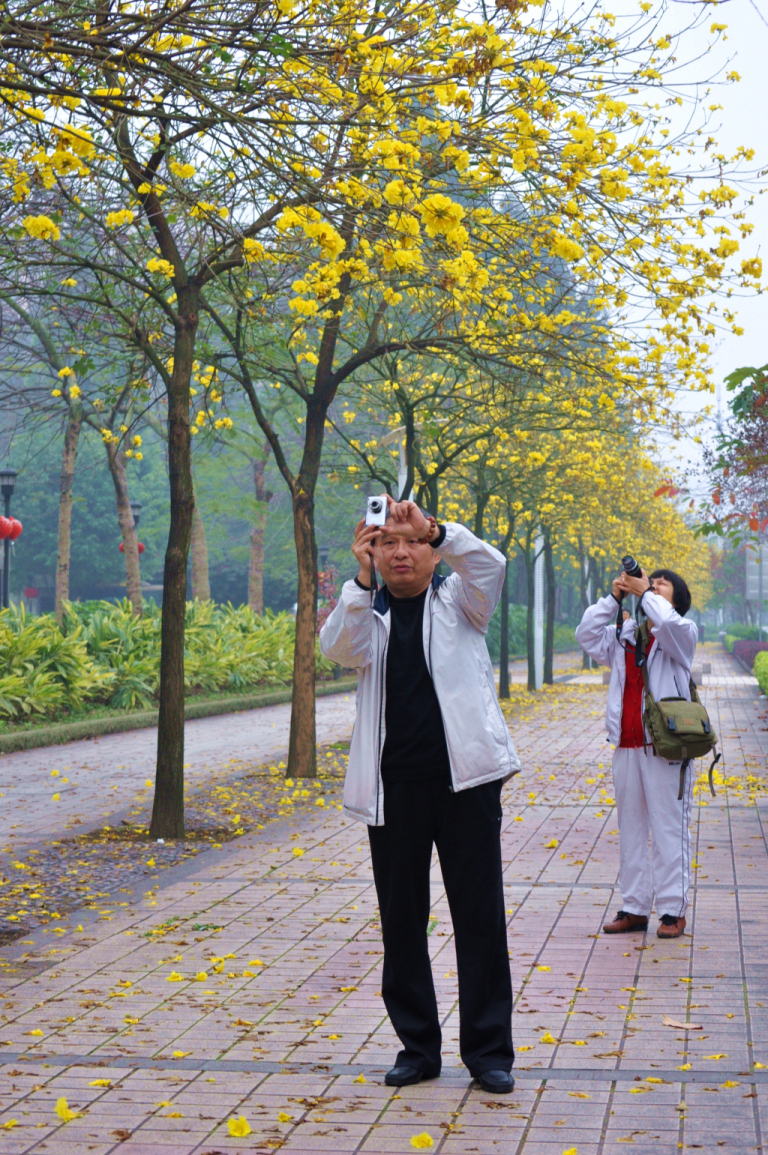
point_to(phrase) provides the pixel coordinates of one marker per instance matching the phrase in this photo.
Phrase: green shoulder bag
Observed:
(680, 730)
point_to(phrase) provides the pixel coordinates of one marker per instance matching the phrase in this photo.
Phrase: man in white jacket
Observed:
(429, 752)
(646, 786)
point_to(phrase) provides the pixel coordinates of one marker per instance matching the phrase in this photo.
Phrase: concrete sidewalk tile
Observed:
(297, 917)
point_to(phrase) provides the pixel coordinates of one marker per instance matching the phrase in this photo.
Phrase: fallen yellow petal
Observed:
(36, 1031)
(547, 1037)
(55, 797)
(423, 1141)
(101, 1083)
(297, 851)
(239, 1128)
(552, 844)
(201, 976)
(578, 1094)
(9, 1124)
(175, 977)
(715, 1056)
(360, 1079)
(181, 1054)
(64, 1111)
(284, 1117)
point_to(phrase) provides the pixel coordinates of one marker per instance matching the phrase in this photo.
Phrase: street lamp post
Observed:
(7, 484)
(136, 511)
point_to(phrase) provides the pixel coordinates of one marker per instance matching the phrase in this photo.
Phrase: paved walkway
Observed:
(100, 778)
(158, 1028)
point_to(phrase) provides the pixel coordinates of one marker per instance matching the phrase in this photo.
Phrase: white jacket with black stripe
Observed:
(669, 661)
(457, 611)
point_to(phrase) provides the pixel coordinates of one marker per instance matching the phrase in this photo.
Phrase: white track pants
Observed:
(646, 798)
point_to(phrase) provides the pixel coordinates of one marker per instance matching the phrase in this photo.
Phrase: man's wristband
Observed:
(439, 538)
(362, 587)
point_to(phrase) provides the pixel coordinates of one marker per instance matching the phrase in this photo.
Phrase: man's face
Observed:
(406, 565)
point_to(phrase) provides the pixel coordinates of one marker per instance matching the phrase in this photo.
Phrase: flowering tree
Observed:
(324, 188)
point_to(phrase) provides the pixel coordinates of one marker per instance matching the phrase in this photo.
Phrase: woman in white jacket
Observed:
(646, 786)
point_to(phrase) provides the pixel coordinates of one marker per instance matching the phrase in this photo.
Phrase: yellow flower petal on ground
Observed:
(128, 1019)
(284, 1117)
(101, 1083)
(547, 1037)
(543, 968)
(570, 1151)
(36, 1031)
(360, 1079)
(9, 1124)
(552, 844)
(715, 1056)
(64, 1111)
(201, 976)
(423, 1141)
(297, 851)
(731, 1083)
(55, 797)
(181, 1054)
(175, 977)
(239, 1128)
(578, 1094)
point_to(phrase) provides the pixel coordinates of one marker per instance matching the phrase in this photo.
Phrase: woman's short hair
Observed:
(681, 595)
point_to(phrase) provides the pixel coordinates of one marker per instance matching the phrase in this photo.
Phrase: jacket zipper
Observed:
(428, 608)
(381, 716)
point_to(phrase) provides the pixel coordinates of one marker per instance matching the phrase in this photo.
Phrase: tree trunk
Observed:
(256, 563)
(549, 636)
(201, 583)
(116, 461)
(504, 637)
(302, 756)
(168, 807)
(529, 555)
(71, 437)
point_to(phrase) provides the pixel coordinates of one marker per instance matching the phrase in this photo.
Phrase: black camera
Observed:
(631, 567)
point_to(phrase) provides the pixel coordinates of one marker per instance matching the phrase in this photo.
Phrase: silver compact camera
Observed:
(376, 511)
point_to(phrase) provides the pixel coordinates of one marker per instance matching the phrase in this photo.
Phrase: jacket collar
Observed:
(381, 601)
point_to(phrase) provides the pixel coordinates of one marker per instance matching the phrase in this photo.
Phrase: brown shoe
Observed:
(625, 921)
(670, 927)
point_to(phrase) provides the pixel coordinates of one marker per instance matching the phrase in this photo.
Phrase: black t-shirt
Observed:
(415, 744)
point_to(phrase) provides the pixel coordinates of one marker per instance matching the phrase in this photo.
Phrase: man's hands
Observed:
(404, 519)
(362, 548)
(624, 584)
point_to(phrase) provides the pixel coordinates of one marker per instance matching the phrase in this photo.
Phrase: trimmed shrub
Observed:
(103, 654)
(760, 669)
(746, 651)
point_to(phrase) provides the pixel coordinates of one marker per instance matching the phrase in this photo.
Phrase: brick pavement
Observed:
(277, 1016)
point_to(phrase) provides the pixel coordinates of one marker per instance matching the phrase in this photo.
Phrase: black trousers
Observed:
(465, 827)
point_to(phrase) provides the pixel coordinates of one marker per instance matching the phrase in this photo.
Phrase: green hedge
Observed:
(102, 654)
(728, 642)
(742, 630)
(760, 670)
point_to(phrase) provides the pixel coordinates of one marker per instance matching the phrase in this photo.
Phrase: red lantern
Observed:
(142, 547)
(16, 528)
(30, 592)
(5, 527)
